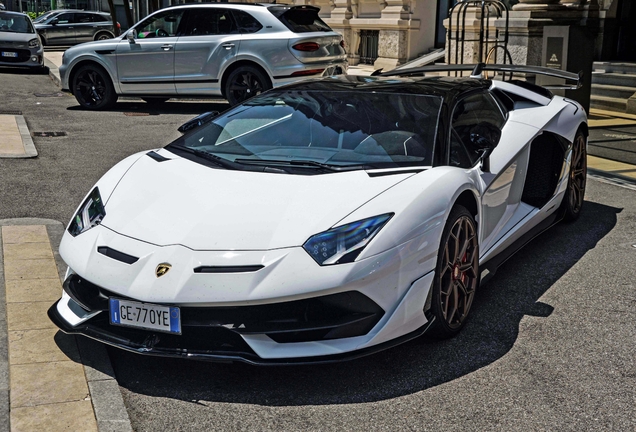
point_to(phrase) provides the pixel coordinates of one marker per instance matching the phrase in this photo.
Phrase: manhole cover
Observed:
(48, 134)
(136, 114)
(10, 112)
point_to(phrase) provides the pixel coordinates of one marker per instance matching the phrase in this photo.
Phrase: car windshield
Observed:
(337, 129)
(15, 23)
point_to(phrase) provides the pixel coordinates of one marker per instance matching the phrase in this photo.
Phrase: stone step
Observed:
(615, 67)
(621, 92)
(616, 79)
(608, 103)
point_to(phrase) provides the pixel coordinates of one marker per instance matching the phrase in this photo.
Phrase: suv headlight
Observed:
(343, 244)
(90, 214)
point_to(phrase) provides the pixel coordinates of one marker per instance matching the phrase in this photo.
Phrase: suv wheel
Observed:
(245, 82)
(93, 88)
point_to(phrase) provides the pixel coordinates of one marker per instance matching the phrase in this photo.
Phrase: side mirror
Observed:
(131, 36)
(485, 146)
(54, 21)
(198, 121)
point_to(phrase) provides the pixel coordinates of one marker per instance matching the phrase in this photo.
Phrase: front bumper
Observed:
(387, 292)
(25, 57)
(218, 333)
(222, 345)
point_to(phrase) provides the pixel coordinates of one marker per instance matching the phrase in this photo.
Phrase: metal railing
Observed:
(490, 42)
(369, 41)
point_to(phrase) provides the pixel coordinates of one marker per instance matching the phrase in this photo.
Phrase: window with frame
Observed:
(246, 22)
(164, 24)
(204, 22)
(477, 114)
(65, 18)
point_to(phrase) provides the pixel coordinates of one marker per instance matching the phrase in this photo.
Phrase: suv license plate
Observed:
(145, 315)
(9, 54)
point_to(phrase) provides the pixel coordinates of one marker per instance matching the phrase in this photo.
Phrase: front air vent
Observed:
(116, 255)
(228, 269)
(157, 156)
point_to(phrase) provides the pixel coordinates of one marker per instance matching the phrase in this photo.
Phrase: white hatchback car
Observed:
(229, 50)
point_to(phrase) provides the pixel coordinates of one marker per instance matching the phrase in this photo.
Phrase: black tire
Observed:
(577, 178)
(103, 36)
(93, 88)
(245, 82)
(155, 100)
(456, 274)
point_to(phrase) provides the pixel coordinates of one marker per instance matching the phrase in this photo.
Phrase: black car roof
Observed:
(445, 86)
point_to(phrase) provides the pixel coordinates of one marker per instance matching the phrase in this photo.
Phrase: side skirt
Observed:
(489, 268)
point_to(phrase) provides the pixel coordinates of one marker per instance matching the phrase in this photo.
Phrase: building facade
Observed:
(388, 33)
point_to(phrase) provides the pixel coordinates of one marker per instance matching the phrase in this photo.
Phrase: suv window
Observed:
(208, 21)
(163, 24)
(65, 18)
(246, 22)
(476, 114)
(84, 18)
(100, 18)
(300, 19)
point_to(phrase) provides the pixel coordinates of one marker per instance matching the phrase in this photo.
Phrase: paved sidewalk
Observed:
(54, 382)
(15, 139)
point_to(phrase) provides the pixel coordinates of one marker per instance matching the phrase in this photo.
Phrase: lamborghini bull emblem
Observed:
(162, 269)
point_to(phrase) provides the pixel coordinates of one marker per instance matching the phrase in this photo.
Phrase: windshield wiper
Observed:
(219, 161)
(299, 164)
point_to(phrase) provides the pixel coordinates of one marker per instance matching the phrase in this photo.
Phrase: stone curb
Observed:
(54, 72)
(27, 141)
(108, 404)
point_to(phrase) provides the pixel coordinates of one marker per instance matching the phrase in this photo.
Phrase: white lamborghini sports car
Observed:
(323, 220)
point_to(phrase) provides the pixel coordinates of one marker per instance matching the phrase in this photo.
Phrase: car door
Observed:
(145, 65)
(210, 40)
(60, 30)
(475, 116)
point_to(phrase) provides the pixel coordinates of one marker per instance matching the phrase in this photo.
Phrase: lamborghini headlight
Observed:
(90, 214)
(343, 244)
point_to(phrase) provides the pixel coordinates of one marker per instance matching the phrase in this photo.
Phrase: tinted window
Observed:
(100, 18)
(162, 24)
(65, 18)
(246, 22)
(301, 20)
(84, 18)
(210, 22)
(477, 114)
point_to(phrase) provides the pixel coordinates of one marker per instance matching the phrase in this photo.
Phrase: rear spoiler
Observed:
(478, 69)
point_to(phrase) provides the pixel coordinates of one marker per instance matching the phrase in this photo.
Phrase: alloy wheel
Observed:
(91, 87)
(245, 85)
(458, 276)
(578, 174)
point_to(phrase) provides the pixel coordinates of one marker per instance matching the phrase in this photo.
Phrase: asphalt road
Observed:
(550, 346)
(616, 142)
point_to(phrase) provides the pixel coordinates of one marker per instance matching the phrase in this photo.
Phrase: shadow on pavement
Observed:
(44, 70)
(173, 106)
(412, 367)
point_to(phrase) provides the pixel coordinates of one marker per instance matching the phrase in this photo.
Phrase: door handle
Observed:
(228, 46)
(166, 47)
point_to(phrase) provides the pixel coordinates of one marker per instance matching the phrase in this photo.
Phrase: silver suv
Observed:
(222, 49)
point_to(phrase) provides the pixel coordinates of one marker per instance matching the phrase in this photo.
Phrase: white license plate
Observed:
(9, 54)
(145, 315)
